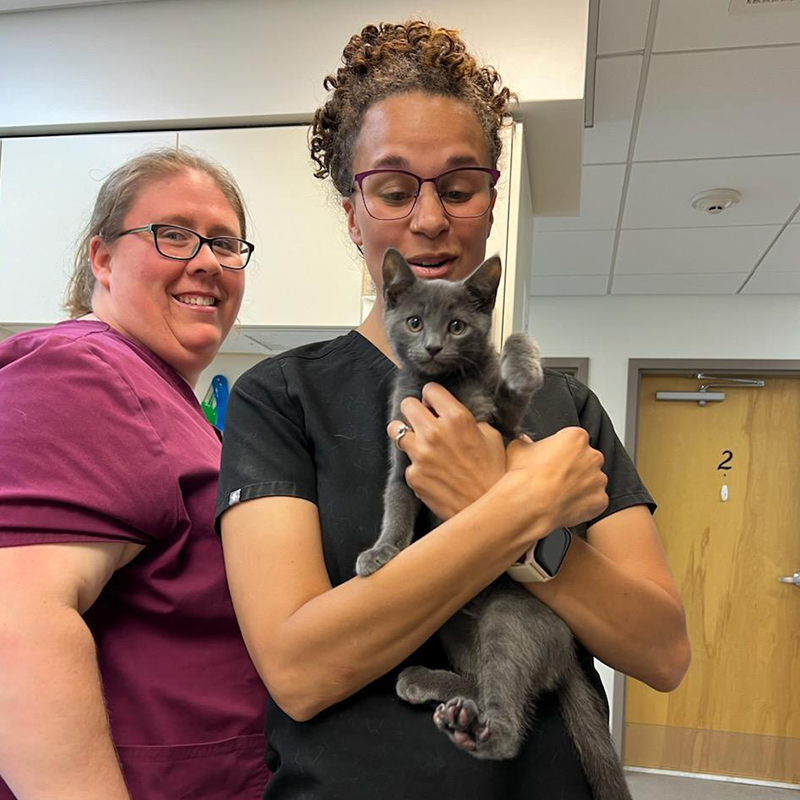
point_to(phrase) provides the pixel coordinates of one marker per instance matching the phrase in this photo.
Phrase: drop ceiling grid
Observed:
(753, 280)
(637, 114)
(703, 24)
(720, 103)
(768, 216)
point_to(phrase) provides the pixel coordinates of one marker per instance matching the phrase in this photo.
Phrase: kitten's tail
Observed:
(586, 724)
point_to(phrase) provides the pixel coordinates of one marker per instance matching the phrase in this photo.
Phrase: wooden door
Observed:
(737, 712)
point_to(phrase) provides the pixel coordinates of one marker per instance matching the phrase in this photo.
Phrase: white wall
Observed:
(203, 59)
(610, 330)
(140, 66)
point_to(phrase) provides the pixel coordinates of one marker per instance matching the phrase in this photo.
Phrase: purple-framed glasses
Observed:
(464, 192)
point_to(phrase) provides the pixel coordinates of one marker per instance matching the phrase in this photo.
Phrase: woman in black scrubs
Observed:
(304, 465)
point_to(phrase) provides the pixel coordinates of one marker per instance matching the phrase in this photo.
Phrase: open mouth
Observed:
(196, 300)
(430, 267)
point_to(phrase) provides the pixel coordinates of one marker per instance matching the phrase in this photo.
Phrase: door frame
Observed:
(679, 367)
(577, 366)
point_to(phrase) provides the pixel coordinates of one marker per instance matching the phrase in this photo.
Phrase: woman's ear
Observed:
(491, 212)
(100, 259)
(352, 224)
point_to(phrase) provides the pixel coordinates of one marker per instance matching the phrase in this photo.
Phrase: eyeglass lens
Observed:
(184, 244)
(391, 195)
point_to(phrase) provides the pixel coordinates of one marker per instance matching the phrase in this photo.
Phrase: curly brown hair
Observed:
(387, 59)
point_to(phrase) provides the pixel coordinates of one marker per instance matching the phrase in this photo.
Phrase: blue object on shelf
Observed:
(219, 383)
(215, 401)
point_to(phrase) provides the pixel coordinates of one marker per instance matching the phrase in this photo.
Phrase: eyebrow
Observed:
(402, 163)
(185, 222)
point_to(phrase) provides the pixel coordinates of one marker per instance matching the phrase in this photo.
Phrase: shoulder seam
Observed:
(98, 355)
(298, 410)
(333, 344)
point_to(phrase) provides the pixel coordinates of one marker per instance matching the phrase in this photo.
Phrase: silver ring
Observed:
(401, 432)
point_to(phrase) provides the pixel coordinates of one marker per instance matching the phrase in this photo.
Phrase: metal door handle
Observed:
(795, 579)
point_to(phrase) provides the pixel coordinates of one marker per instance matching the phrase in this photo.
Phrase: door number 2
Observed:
(725, 463)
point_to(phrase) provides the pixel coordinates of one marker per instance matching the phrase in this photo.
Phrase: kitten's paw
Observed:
(461, 720)
(521, 365)
(373, 559)
(410, 686)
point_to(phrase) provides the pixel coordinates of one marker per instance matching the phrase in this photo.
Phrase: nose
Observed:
(433, 349)
(204, 261)
(429, 216)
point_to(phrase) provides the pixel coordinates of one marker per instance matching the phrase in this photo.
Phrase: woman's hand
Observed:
(454, 459)
(562, 475)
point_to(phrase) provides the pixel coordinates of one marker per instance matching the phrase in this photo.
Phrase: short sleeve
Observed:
(265, 451)
(625, 487)
(81, 461)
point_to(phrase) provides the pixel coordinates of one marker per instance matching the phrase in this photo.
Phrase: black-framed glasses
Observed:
(183, 244)
(392, 193)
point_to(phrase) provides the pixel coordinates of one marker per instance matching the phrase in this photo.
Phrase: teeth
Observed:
(195, 300)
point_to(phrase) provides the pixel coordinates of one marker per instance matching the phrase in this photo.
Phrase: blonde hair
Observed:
(115, 198)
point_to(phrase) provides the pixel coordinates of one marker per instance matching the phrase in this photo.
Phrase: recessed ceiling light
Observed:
(715, 201)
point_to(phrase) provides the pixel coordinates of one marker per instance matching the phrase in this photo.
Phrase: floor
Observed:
(647, 786)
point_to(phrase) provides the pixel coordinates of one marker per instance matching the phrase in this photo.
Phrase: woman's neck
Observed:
(191, 379)
(372, 328)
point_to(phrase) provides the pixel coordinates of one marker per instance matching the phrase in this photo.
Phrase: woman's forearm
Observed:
(54, 737)
(626, 620)
(344, 638)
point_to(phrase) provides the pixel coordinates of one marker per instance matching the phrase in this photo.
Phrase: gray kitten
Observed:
(507, 646)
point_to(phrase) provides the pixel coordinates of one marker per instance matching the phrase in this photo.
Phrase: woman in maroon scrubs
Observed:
(122, 671)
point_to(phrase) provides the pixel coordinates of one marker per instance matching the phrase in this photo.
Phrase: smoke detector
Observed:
(715, 201)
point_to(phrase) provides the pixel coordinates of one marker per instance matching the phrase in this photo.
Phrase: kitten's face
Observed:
(438, 327)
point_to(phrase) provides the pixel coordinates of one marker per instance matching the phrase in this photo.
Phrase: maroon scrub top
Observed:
(102, 441)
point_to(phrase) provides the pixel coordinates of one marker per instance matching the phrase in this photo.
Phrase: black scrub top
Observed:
(311, 423)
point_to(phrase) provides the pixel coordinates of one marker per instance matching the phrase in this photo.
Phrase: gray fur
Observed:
(505, 646)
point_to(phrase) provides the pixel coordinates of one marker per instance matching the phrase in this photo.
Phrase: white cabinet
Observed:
(47, 190)
(305, 270)
(305, 278)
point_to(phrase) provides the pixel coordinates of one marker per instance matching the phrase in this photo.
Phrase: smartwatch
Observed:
(543, 561)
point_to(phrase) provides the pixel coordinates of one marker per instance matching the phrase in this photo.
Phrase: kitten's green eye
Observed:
(457, 327)
(414, 324)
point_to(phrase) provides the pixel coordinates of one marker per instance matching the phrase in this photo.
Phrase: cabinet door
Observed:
(47, 190)
(502, 239)
(305, 271)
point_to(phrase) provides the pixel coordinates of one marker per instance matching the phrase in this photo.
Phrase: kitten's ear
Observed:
(397, 277)
(482, 284)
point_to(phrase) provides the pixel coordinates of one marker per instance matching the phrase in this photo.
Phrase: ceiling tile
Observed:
(660, 194)
(623, 25)
(773, 283)
(691, 25)
(573, 253)
(601, 189)
(689, 283)
(784, 255)
(553, 285)
(722, 103)
(616, 84)
(682, 250)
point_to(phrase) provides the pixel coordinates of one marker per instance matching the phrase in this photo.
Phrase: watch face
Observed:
(550, 551)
